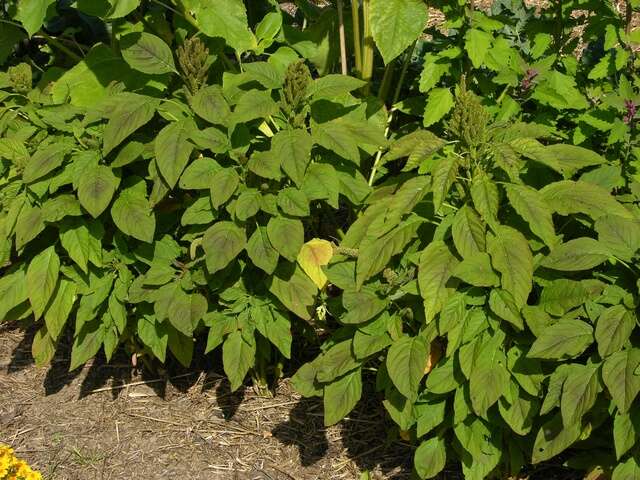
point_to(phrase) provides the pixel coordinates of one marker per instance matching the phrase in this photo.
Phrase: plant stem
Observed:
(357, 40)
(396, 96)
(367, 56)
(385, 85)
(58, 45)
(343, 41)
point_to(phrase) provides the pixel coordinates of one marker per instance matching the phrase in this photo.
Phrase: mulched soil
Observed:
(111, 422)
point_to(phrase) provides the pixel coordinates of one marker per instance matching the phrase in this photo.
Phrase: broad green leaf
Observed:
(183, 310)
(336, 362)
(518, 410)
(560, 296)
(559, 91)
(439, 103)
(333, 85)
(131, 211)
(153, 335)
(29, 224)
(173, 149)
(553, 438)
(228, 20)
(620, 375)
(261, 252)
(430, 457)
(222, 243)
(477, 44)
(444, 174)
(626, 431)
(56, 208)
(224, 184)
(248, 204)
(344, 135)
(43, 347)
(476, 270)
(42, 279)
(435, 269)
(131, 112)
(468, 232)
(293, 202)
(286, 236)
(199, 174)
(13, 291)
(238, 357)
(489, 376)
(210, 104)
(252, 105)
(396, 24)
(341, 396)
(295, 290)
(59, 308)
(32, 14)
(568, 197)
(613, 329)
(10, 35)
(579, 393)
(82, 241)
(265, 164)
(276, 327)
(504, 306)
(87, 343)
(571, 158)
(147, 53)
(44, 161)
(96, 188)
(406, 362)
(530, 205)
(621, 236)
(582, 253)
(314, 255)
(180, 346)
(486, 199)
(304, 381)
(361, 305)
(511, 256)
(567, 338)
(629, 469)
(293, 149)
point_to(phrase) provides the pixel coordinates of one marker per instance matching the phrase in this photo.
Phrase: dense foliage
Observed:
(456, 222)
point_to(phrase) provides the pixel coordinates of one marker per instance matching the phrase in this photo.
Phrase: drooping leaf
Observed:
(582, 253)
(341, 396)
(430, 457)
(131, 211)
(96, 188)
(261, 252)
(529, 204)
(511, 256)
(286, 236)
(147, 53)
(613, 329)
(567, 338)
(42, 279)
(314, 255)
(173, 149)
(406, 362)
(620, 375)
(222, 243)
(436, 267)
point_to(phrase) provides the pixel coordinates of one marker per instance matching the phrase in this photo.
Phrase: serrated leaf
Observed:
(439, 103)
(293, 149)
(530, 205)
(477, 44)
(395, 24)
(582, 253)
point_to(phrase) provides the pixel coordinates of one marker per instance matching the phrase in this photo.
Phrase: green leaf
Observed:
(209, 103)
(430, 457)
(32, 13)
(261, 252)
(629, 469)
(443, 174)
(44, 161)
(82, 241)
(333, 85)
(295, 290)
(476, 270)
(620, 375)
(486, 200)
(180, 345)
(9, 36)
(247, 204)
(361, 305)
(13, 292)
(229, 21)
(173, 149)
(43, 347)
(406, 362)
(341, 396)
(131, 211)
(396, 24)
(131, 112)
(286, 235)
(477, 44)
(530, 205)
(626, 431)
(489, 376)
(87, 343)
(439, 103)
(42, 279)
(29, 224)
(512, 257)
(582, 253)
(199, 174)
(553, 438)
(238, 357)
(293, 202)
(147, 53)
(579, 392)
(571, 158)
(567, 338)
(59, 308)
(502, 304)
(275, 327)
(567, 197)
(182, 309)
(620, 236)
(435, 269)
(96, 188)
(224, 185)
(222, 243)
(344, 135)
(560, 296)
(518, 410)
(468, 232)
(613, 329)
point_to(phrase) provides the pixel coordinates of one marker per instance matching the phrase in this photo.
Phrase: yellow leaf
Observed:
(313, 255)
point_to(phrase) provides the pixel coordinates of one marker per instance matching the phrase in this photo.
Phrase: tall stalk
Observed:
(343, 41)
(357, 39)
(368, 46)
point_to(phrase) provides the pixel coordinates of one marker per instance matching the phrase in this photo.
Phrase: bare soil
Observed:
(113, 422)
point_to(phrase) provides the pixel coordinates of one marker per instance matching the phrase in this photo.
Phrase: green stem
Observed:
(343, 41)
(357, 40)
(367, 60)
(385, 85)
(59, 46)
(396, 96)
